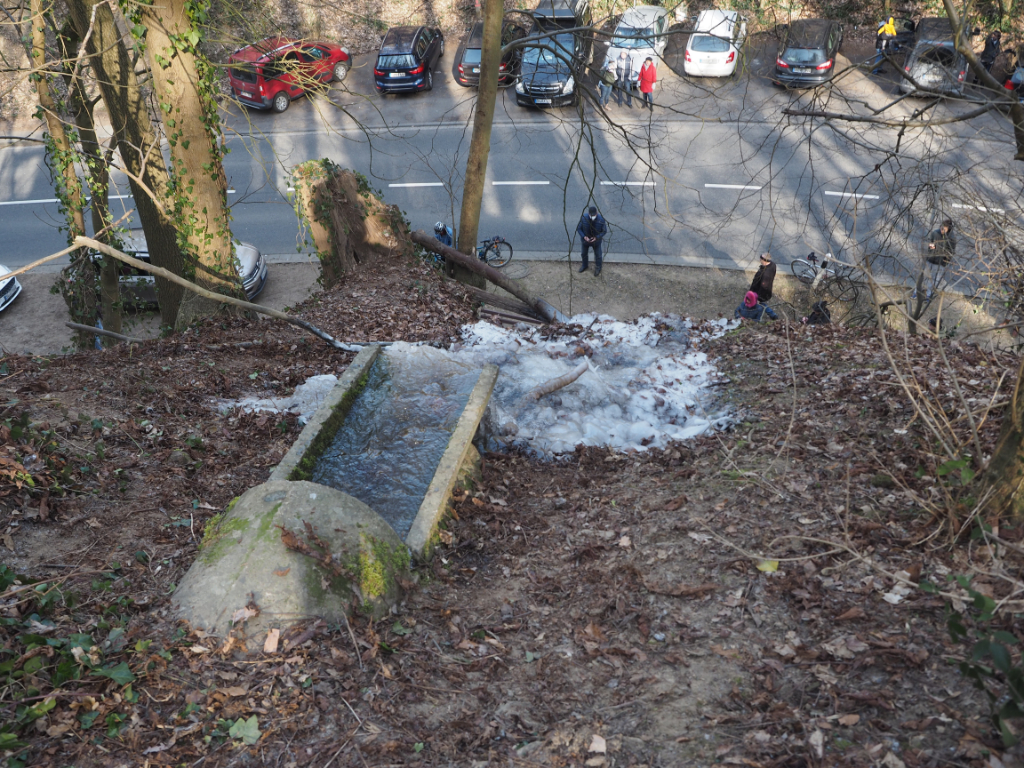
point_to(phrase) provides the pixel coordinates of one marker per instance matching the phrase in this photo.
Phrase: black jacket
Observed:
(597, 228)
(991, 52)
(763, 282)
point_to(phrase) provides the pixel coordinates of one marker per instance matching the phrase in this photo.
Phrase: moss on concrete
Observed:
(377, 566)
(330, 427)
(215, 544)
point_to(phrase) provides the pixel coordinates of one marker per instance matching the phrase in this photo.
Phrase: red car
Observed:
(272, 72)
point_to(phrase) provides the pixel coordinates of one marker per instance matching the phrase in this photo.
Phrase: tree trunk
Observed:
(98, 169)
(184, 85)
(137, 142)
(1004, 476)
(77, 282)
(480, 144)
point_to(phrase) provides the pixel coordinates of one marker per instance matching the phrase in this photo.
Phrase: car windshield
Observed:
(800, 56)
(246, 74)
(942, 56)
(631, 37)
(471, 56)
(561, 43)
(395, 61)
(708, 44)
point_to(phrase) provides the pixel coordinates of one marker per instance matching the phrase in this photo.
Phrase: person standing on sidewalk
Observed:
(624, 73)
(606, 83)
(764, 282)
(648, 77)
(592, 229)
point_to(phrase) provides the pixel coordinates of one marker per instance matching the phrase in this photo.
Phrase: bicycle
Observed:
(836, 281)
(495, 252)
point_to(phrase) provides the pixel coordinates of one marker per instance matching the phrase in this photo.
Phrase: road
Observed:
(714, 176)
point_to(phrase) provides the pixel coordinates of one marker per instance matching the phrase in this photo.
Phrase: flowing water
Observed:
(387, 451)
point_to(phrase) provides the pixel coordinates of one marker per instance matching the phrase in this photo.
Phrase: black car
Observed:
(807, 55)
(406, 59)
(467, 67)
(552, 66)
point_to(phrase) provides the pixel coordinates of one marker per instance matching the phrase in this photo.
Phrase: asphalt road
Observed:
(715, 175)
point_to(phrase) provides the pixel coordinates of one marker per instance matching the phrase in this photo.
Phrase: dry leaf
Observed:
(92, 522)
(598, 744)
(817, 743)
(233, 691)
(768, 566)
(849, 719)
(243, 614)
(273, 638)
(852, 613)
(282, 572)
(625, 542)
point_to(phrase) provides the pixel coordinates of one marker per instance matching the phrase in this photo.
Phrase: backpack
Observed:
(820, 314)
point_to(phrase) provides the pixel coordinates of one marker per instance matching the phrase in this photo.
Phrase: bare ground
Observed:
(601, 610)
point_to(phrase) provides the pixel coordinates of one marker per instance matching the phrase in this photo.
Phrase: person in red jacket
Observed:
(648, 76)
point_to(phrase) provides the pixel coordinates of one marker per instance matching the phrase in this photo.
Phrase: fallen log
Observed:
(474, 264)
(101, 332)
(511, 317)
(507, 303)
(556, 384)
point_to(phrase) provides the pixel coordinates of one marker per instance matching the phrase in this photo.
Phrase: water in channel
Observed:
(387, 451)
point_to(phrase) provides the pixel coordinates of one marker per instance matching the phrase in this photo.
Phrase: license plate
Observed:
(245, 95)
(396, 74)
(476, 70)
(802, 70)
(542, 101)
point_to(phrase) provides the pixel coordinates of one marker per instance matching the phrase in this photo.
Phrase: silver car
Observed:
(9, 288)
(140, 287)
(642, 33)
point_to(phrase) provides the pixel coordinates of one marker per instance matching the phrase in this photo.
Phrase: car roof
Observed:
(808, 33)
(476, 36)
(934, 29)
(556, 8)
(716, 22)
(399, 40)
(262, 49)
(642, 16)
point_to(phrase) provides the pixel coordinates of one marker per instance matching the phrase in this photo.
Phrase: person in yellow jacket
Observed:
(883, 43)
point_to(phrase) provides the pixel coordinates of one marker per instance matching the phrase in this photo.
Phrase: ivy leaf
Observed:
(138, 31)
(246, 730)
(193, 37)
(120, 674)
(88, 718)
(399, 630)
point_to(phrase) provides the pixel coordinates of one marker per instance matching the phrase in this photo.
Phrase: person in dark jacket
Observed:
(941, 244)
(750, 309)
(592, 229)
(992, 49)
(764, 280)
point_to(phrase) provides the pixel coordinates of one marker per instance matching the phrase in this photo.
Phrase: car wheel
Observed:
(340, 70)
(429, 86)
(281, 102)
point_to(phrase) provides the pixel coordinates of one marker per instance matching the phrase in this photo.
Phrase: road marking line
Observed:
(627, 183)
(852, 194)
(419, 184)
(980, 208)
(232, 192)
(730, 186)
(519, 183)
(28, 202)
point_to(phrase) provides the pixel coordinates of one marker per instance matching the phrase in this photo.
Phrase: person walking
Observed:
(941, 244)
(991, 52)
(592, 229)
(606, 83)
(764, 283)
(624, 78)
(883, 43)
(648, 77)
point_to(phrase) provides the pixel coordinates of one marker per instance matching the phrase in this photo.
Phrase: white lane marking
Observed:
(852, 194)
(980, 208)
(419, 184)
(627, 183)
(730, 186)
(232, 192)
(519, 183)
(29, 202)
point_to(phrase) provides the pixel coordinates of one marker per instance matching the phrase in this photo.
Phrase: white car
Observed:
(9, 288)
(140, 287)
(713, 49)
(640, 33)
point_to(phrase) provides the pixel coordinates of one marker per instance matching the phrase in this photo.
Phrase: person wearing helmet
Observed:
(444, 234)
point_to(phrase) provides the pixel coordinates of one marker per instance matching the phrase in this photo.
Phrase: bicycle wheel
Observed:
(842, 289)
(498, 254)
(803, 271)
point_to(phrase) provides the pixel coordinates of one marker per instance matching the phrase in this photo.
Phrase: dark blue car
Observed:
(407, 58)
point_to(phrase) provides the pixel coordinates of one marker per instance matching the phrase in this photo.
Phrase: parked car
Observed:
(713, 49)
(807, 55)
(906, 31)
(934, 65)
(467, 68)
(9, 288)
(272, 72)
(407, 58)
(139, 287)
(551, 68)
(640, 32)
